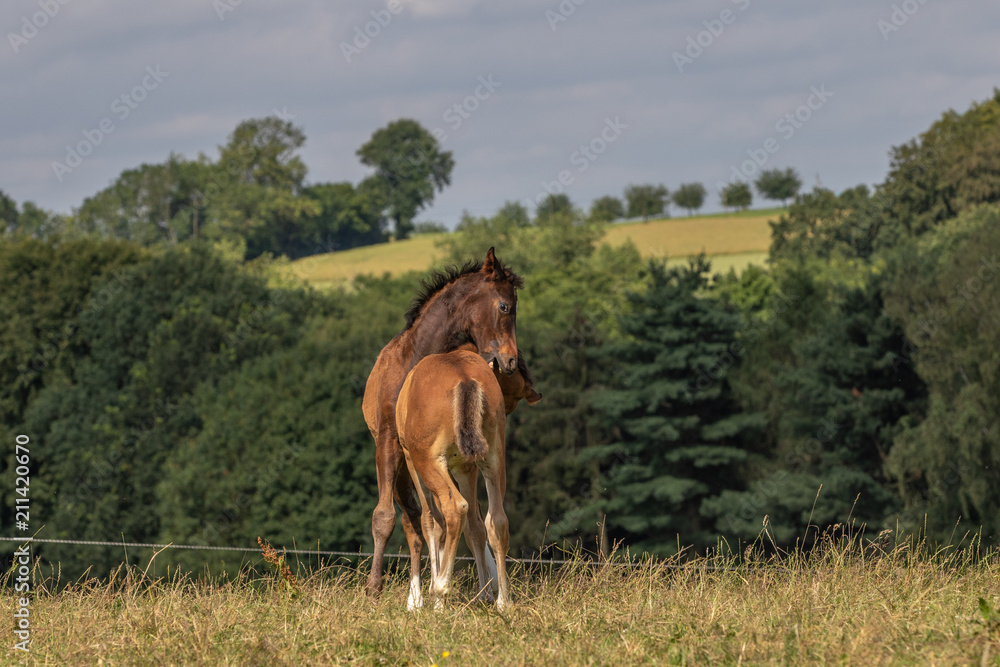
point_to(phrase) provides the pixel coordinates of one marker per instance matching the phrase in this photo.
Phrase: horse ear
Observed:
(532, 396)
(490, 263)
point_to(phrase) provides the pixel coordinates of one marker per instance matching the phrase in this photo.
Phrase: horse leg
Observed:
(475, 531)
(496, 526)
(453, 509)
(431, 521)
(414, 538)
(388, 456)
(410, 501)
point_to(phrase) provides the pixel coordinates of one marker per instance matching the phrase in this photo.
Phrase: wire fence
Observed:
(309, 552)
(366, 554)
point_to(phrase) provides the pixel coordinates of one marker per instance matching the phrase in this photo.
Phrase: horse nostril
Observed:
(512, 364)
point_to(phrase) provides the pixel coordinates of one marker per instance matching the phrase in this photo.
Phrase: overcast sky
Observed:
(656, 92)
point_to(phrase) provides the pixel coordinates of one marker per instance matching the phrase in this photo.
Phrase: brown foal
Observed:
(477, 303)
(451, 418)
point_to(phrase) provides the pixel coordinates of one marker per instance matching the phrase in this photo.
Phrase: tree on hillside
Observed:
(674, 445)
(149, 204)
(690, 196)
(607, 209)
(8, 213)
(515, 214)
(261, 178)
(778, 184)
(953, 165)
(736, 195)
(823, 224)
(553, 205)
(409, 166)
(348, 217)
(646, 200)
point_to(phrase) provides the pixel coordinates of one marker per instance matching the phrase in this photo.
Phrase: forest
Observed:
(178, 388)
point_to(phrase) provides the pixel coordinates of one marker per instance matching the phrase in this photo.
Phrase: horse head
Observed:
(490, 310)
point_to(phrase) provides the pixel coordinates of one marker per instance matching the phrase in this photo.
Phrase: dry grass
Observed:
(734, 240)
(846, 605)
(716, 234)
(395, 258)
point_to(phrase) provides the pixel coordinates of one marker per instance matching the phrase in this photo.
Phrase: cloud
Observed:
(557, 87)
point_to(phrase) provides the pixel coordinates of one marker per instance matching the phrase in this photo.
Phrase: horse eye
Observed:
(504, 307)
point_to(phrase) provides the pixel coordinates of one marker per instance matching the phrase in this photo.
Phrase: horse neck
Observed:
(439, 323)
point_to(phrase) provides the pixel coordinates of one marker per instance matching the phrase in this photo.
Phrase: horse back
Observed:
(433, 390)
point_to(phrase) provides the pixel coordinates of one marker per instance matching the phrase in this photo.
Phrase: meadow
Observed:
(733, 240)
(851, 601)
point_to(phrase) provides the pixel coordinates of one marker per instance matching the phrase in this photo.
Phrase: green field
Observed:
(853, 602)
(732, 240)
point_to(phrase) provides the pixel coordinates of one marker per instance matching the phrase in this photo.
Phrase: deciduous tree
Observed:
(778, 184)
(690, 196)
(646, 200)
(409, 165)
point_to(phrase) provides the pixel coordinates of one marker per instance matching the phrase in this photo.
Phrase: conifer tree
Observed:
(678, 434)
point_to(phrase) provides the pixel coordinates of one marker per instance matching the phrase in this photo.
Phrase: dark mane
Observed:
(522, 366)
(438, 280)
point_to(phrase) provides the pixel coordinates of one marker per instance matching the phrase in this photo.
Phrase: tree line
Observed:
(254, 197)
(177, 394)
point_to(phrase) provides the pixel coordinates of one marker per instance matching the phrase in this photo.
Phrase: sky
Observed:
(577, 96)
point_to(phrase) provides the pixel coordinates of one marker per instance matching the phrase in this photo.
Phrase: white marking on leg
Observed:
(415, 601)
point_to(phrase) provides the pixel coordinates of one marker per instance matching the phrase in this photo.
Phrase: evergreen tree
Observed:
(679, 437)
(820, 361)
(567, 310)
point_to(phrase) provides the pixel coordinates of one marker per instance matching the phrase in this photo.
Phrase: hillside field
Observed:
(732, 240)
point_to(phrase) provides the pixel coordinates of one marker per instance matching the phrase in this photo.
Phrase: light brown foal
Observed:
(451, 417)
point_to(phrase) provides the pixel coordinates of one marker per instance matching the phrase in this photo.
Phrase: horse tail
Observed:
(469, 420)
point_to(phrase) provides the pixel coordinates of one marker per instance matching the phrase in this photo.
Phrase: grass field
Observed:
(846, 604)
(733, 240)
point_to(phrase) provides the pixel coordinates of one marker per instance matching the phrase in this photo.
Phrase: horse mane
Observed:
(438, 280)
(522, 366)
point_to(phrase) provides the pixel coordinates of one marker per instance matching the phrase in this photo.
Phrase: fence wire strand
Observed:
(364, 554)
